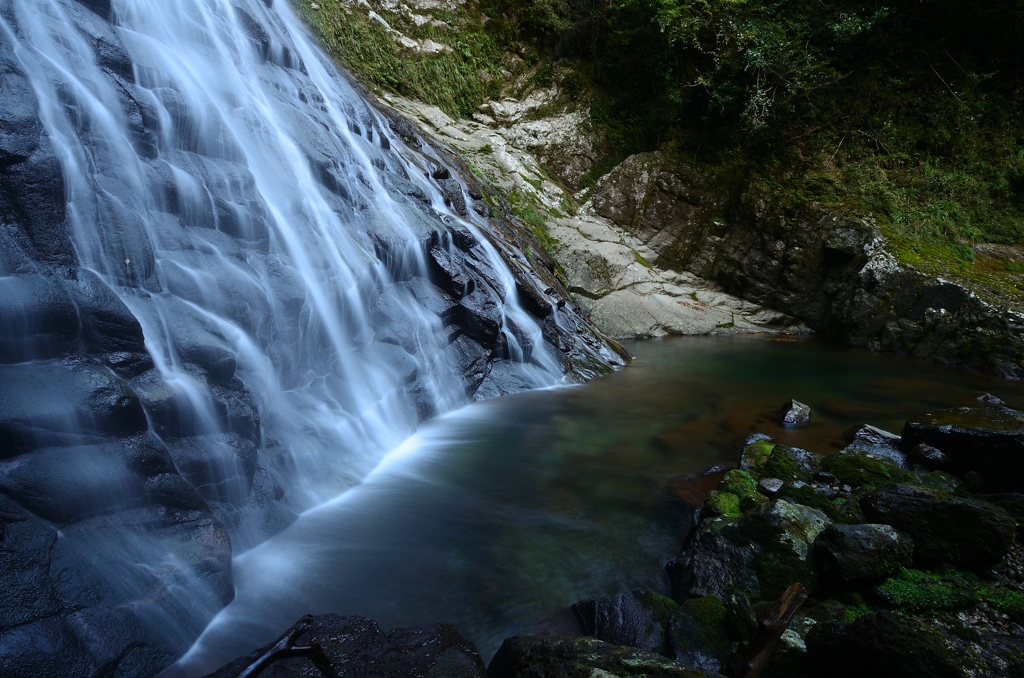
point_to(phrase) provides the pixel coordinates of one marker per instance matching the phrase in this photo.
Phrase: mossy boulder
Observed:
(857, 467)
(890, 644)
(785, 533)
(792, 463)
(938, 480)
(557, 657)
(719, 503)
(859, 554)
(756, 452)
(966, 533)
(1012, 503)
(811, 495)
(634, 618)
(739, 482)
(989, 440)
(916, 592)
(752, 501)
(698, 634)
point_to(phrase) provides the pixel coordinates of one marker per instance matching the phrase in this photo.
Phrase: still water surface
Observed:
(498, 516)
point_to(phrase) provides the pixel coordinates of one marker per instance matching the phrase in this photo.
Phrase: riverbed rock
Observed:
(873, 440)
(356, 647)
(698, 634)
(713, 565)
(634, 618)
(757, 450)
(931, 457)
(553, 656)
(795, 413)
(964, 532)
(855, 554)
(989, 440)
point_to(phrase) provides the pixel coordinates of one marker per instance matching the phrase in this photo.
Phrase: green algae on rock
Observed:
(856, 468)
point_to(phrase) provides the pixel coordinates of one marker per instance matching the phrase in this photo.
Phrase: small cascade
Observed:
(228, 290)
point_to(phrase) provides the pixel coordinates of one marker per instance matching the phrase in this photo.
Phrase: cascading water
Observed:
(216, 190)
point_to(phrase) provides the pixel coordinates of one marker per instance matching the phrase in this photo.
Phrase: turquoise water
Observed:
(497, 517)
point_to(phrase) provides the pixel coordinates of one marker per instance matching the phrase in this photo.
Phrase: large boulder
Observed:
(634, 618)
(711, 564)
(892, 644)
(552, 656)
(357, 648)
(699, 635)
(856, 467)
(989, 440)
(851, 554)
(963, 532)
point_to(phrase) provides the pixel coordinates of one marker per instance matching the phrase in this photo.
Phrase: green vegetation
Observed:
(945, 590)
(907, 112)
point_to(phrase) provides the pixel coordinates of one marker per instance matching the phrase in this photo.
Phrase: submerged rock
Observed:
(963, 532)
(552, 656)
(862, 553)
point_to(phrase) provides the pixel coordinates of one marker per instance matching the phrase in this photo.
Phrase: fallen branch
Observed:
(285, 647)
(752, 659)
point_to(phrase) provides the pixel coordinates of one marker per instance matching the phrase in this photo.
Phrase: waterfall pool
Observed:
(498, 516)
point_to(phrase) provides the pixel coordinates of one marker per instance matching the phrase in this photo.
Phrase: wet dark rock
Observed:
(810, 494)
(1012, 503)
(963, 532)
(867, 438)
(893, 644)
(989, 399)
(553, 656)
(853, 554)
(634, 618)
(713, 565)
(698, 634)
(795, 413)
(101, 7)
(357, 648)
(451, 189)
(931, 457)
(989, 440)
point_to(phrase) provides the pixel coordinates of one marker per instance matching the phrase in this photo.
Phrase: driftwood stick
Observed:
(285, 647)
(752, 659)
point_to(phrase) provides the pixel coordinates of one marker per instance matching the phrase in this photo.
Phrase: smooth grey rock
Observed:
(795, 413)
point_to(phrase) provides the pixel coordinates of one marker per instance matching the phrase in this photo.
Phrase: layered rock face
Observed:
(227, 288)
(831, 271)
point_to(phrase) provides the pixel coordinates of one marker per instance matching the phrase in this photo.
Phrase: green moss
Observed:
(738, 482)
(789, 464)
(756, 454)
(1005, 602)
(640, 260)
(918, 592)
(856, 468)
(699, 629)
(808, 495)
(723, 503)
(939, 480)
(752, 501)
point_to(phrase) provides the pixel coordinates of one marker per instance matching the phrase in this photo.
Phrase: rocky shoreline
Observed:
(904, 546)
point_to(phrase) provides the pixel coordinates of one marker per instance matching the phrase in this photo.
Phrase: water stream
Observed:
(499, 516)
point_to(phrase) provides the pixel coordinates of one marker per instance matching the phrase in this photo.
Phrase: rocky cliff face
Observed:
(659, 246)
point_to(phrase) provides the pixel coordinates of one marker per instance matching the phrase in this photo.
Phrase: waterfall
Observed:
(246, 255)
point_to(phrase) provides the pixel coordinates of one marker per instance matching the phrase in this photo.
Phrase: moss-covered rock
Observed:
(938, 480)
(752, 501)
(807, 494)
(756, 453)
(719, 503)
(784, 533)
(857, 467)
(792, 463)
(1012, 503)
(698, 634)
(856, 554)
(713, 564)
(739, 482)
(966, 533)
(917, 592)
